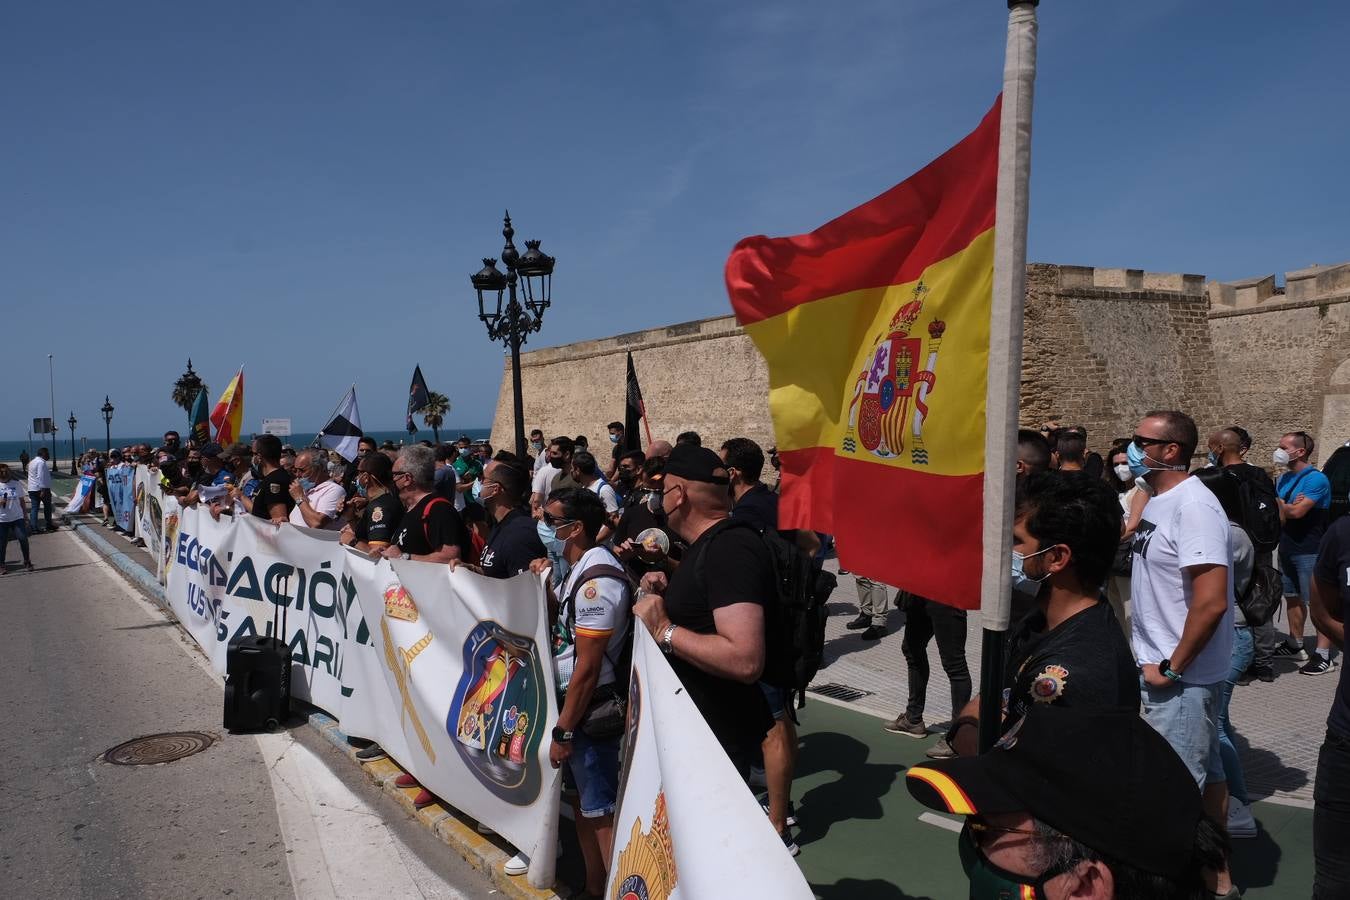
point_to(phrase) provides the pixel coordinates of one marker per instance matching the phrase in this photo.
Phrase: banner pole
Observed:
(1005, 355)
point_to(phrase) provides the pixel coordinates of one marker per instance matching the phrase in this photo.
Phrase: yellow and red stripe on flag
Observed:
(228, 414)
(875, 328)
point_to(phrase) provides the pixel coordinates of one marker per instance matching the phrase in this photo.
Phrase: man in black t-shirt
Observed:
(383, 510)
(272, 500)
(514, 540)
(431, 530)
(709, 616)
(1331, 792)
(1071, 651)
(637, 517)
(1228, 448)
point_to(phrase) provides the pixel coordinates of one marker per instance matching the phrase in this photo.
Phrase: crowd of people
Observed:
(1144, 592)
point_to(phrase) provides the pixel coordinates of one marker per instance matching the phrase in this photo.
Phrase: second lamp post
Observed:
(71, 422)
(107, 424)
(512, 325)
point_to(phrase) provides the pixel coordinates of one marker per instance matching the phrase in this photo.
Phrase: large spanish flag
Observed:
(875, 328)
(228, 415)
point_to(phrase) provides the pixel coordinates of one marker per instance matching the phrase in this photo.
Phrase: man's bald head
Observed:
(1227, 445)
(659, 448)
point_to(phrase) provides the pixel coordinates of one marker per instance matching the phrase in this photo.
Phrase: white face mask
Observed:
(1281, 456)
(1122, 472)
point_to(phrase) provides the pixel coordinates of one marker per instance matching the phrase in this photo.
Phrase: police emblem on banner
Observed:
(398, 603)
(646, 866)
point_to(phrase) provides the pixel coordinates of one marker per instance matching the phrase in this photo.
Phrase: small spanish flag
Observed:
(875, 328)
(228, 414)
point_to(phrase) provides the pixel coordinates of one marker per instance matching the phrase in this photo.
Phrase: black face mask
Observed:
(627, 479)
(194, 468)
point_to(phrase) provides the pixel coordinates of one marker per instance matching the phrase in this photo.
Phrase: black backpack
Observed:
(794, 619)
(1337, 470)
(1261, 597)
(1260, 511)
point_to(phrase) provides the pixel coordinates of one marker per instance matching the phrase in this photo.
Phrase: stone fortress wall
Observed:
(1102, 346)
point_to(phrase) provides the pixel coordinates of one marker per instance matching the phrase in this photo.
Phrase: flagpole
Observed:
(1005, 355)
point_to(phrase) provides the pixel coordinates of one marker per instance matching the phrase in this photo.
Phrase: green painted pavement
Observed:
(861, 837)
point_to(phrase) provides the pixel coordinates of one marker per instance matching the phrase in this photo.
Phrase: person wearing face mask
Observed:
(1304, 495)
(383, 511)
(556, 474)
(513, 542)
(627, 474)
(173, 445)
(1070, 651)
(536, 450)
(272, 501)
(1182, 605)
(586, 472)
(318, 498)
(708, 618)
(1078, 802)
(637, 517)
(618, 446)
(238, 460)
(1117, 474)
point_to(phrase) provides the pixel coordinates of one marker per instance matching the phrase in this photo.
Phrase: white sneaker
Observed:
(1241, 822)
(517, 865)
(484, 829)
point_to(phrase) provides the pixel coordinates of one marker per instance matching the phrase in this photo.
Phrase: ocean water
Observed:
(10, 450)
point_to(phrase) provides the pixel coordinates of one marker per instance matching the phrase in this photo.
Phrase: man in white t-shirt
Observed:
(318, 498)
(593, 628)
(1182, 603)
(40, 488)
(559, 460)
(586, 472)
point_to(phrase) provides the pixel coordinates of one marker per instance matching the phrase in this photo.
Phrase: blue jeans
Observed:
(17, 529)
(594, 767)
(44, 497)
(1244, 649)
(1186, 715)
(1296, 573)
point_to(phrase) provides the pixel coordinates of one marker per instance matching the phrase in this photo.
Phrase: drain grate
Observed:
(153, 749)
(839, 692)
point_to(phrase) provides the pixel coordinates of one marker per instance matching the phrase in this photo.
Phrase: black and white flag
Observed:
(343, 431)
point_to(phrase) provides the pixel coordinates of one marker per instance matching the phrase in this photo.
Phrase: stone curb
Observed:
(459, 832)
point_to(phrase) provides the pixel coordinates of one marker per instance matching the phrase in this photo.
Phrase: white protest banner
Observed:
(225, 578)
(150, 516)
(687, 825)
(120, 479)
(466, 662)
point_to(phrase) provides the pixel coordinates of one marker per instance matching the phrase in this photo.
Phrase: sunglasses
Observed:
(1147, 441)
(553, 521)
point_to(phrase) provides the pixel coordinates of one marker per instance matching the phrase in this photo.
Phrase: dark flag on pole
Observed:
(418, 397)
(634, 409)
(343, 431)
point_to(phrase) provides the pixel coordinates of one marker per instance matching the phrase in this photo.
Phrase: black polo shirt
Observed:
(512, 545)
(759, 506)
(1333, 570)
(273, 488)
(1085, 661)
(380, 520)
(725, 566)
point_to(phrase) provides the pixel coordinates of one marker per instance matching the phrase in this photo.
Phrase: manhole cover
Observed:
(839, 692)
(158, 748)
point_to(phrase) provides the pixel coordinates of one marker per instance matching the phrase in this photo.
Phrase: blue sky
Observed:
(306, 187)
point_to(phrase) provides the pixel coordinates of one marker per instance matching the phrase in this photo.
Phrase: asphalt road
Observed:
(88, 664)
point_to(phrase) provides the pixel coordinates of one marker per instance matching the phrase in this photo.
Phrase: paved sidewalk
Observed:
(1280, 725)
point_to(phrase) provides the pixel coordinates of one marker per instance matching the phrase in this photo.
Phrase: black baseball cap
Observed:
(1103, 777)
(694, 463)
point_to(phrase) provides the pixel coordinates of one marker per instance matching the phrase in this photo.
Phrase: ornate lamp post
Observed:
(71, 423)
(534, 272)
(107, 424)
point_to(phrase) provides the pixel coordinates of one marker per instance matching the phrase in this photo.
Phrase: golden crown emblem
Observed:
(906, 315)
(648, 860)
(398, 603)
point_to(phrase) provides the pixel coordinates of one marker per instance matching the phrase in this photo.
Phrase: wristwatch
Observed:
(405, 556)
(1165, 667)
(666, 647)
(562, 736)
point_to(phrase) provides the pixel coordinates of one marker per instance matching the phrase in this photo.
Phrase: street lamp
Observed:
(534, 270)
(71, 423)
(107, 424)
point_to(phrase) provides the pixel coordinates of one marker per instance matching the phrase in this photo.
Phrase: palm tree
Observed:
(433, 414)
(186, 389)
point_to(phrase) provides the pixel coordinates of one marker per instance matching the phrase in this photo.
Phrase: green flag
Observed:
(199, 427)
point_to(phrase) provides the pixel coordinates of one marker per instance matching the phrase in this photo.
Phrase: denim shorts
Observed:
(1296, 573)
(777, 698)
(1187, 715)
(594, 770)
